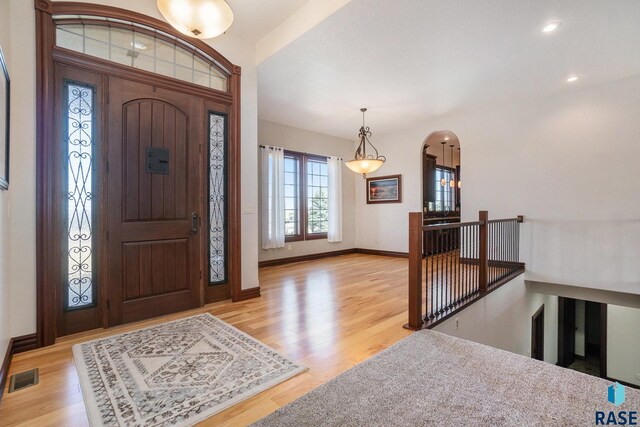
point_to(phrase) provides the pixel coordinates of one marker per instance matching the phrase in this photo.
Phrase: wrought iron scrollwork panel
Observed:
(217, 199)
(78, 144)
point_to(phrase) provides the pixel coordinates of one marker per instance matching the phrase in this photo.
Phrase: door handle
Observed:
(194, 222)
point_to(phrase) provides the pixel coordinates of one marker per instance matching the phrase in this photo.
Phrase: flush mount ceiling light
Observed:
(572, 78)
(551, 26)
(138, 45)
(362, 162)
(203, 19)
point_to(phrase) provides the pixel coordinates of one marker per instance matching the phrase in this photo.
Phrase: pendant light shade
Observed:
(443, 181)
(459, 162)
(452, 183)
(364, 166)
(203, 19)
(362, 162)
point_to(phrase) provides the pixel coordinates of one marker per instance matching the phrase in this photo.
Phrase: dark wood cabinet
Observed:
(428, 180)
(440, 241)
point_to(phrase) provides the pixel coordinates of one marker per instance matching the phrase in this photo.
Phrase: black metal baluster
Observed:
(456, 265)
(468, 244)
(441, 269)
(437, 270)
(477, 249)
(449, 276)
(431, 279)
(453, 267)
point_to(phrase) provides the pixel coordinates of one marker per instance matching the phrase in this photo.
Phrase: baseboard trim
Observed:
(16, 345)
(250, 293)
(624, 383)
(382, 253)
(310, 257)
(4, 369)
(24, 343)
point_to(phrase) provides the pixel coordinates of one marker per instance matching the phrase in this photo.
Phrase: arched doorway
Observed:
(441, 181)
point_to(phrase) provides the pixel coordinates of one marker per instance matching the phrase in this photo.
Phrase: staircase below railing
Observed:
(465, 262)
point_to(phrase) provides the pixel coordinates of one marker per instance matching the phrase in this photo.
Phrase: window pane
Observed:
(140, 50)
(291, 199)
(217, 199)
(78, 144)
(445, 195)
(317, 195)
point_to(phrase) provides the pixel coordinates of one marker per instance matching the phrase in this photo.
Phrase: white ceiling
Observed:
(253, 19)
(411, 60)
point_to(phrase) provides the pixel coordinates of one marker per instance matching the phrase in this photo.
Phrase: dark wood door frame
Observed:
(46, 55)
(566, 331)
(602, 319)
(562, 307)
(603, 340)
(537, 334)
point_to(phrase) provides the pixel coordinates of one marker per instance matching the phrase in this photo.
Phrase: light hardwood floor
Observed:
(329, 314)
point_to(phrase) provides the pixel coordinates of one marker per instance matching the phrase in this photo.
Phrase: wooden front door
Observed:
(153, 210)
(537, 334)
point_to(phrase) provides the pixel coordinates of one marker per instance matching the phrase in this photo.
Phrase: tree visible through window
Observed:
(317, 197)
(306, 193)
(291, 195)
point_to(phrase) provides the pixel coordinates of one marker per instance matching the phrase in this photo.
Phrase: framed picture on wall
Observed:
(4, 123)
(384, 189)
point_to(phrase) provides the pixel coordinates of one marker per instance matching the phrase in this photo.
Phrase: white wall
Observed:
(502, 319)
(22, 226)
(623, 344)
(5, 255)
(304, 141)
(567, 162)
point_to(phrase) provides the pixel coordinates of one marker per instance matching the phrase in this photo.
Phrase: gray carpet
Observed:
(430, 378)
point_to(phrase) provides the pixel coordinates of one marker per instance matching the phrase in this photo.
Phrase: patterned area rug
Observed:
(176, 373)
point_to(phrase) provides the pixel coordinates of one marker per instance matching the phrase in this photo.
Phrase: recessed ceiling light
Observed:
(572, 78)
(551, 26)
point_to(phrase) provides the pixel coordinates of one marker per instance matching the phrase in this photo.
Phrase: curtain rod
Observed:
(300, 152)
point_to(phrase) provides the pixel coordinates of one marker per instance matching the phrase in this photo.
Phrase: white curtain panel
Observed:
(334, 171)
(272, 162)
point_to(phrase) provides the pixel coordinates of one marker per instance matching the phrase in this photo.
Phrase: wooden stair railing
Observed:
(466, 262)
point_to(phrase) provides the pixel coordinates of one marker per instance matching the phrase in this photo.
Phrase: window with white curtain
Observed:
(307, 197)
(307, 191)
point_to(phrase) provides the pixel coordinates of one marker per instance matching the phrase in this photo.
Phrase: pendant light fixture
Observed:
(452, 183)
(362, 162)
(459, 162)
(202, 19)
(443, 181)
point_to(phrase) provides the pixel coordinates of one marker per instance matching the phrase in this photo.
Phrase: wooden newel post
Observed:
(484, 251)
(415, 271)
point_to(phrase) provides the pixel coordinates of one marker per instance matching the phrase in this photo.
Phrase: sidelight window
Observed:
(217, 199)
(78, 142)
